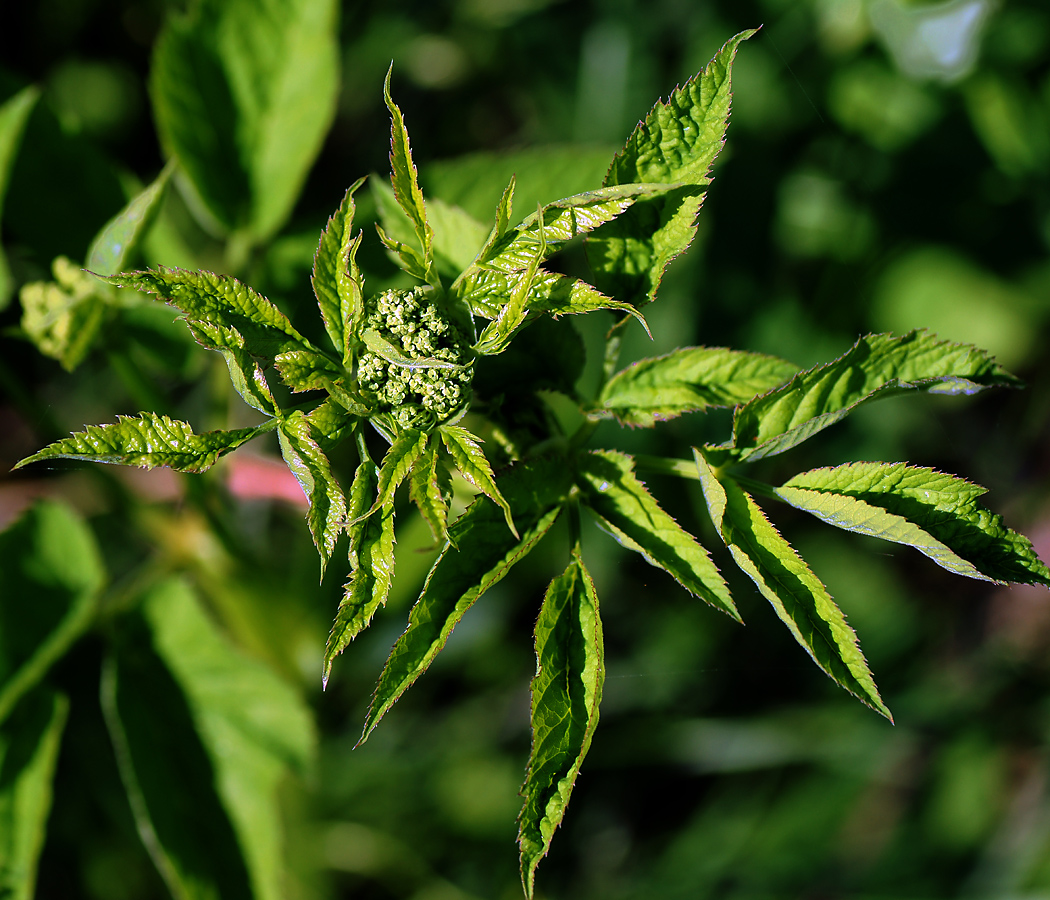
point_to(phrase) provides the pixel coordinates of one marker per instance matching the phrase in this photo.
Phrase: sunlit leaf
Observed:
(690, 379)
(629, 512)
(50, 577)
(937, 514)
(425, 491)
(29, 744)
(397, 463)
(878, 365)
(471, 461)
(311, 468)
(479, 554)
(246, 374)
(337, 280)
(147, 440)
(783, 578)
(570, 670)
(677, 142)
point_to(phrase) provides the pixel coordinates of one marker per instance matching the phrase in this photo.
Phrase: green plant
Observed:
(415, 364)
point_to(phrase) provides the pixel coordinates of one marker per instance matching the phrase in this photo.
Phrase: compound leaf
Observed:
(51, 574)
(119, 238)
(29, 744)
(783, 578)
(311, 468)
(629, 512)
(570, 670)
(876, 366)
(937, 514)
(479, 553)
(337, 280)
(677, 142)
(220, 300)
(147, 440)
(371, 562)
(690, 379)
(471, 461)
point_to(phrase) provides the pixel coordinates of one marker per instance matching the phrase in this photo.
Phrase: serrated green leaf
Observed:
(629, 512)
(471, 461)
(690, 379)
(51, 574)
(113, 246)
(221, 300)
(504, 211)
(147, 440)
(677, 142)
(63, 318)
(29, 744)
(14, 113)
(404, 179)
(566, 692)
(783, 578)
(403, 254)
(480, 552)
(311, 468)
(243, 96)
(337, 280)
(331, 422)
(457, 234)
(425, 491)
(307, 370)
(246, 374)
(878, 365)
(400, 457)
(371, 557)
(937, 514)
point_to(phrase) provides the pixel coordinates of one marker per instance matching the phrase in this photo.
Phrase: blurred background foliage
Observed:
(887, 168)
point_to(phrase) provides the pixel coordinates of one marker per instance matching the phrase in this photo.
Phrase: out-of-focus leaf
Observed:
(29, 743)
(470, 459)
(371, 556)
(337, 280)
(876, 366)
(405, 182)
(937, 514)
(50, 576)
(677, 142)
(570, 670)
(13, 115)
(221, 300)
(113, 246)
(63, 318)
(147, 440)
(629, 512)
(480, 552)
(783, 578)
(690, 379)
(243, 94)
(311, 468)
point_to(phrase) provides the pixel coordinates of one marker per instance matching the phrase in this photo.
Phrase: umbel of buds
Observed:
(430, 383)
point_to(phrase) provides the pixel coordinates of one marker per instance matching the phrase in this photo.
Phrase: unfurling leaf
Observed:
(878, 365)
(783, 578)
(147, 440)
(570, 670)
(371, 555)
(937, 514)
(479, 553)
(311, 468)
(337, 280)
(629, 512)
(690, 379)
(470, 459)
(677, 142)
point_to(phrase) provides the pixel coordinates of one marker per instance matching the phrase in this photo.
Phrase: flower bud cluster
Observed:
(415, 327)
